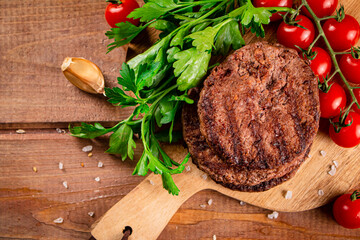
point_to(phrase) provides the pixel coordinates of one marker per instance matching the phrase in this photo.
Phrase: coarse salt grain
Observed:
(97, 179)
(58, 130)
(336, 164)
(61, 166)
(323, 153)
(59, 220)
(214, 237)
(151, 182)
(65, 184)
(87, 148)
(188, 168)
(91, 214)
(100, 164)
(204, 176)
(210, 202)
(242, 203)
(202, 205)
(20, 131)
(309, 156)
(332, 171)
(321, 192)
(273, 215)
(288, 195)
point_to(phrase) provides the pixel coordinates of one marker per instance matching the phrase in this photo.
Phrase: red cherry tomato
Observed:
(346, 210)
(118, 12)
(348, 137)
(321, 8)
(321, 64)
(332, 101)
(290, 36)
(350, 67)
(342, 35)
(274, 3)
(357, 95)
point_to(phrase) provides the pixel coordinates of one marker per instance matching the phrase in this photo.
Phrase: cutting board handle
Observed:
(147, 209)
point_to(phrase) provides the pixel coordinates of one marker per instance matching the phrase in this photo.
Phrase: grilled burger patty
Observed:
(234, 177)
(259, 109)
(255, 119)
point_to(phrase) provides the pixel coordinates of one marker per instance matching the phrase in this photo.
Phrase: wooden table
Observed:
(35, 37)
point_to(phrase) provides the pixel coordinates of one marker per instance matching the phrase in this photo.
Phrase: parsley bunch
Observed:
(156, 81)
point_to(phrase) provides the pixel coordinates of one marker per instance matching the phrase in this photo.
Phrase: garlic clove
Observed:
(84, 74)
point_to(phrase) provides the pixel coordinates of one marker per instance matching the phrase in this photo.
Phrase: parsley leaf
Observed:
(118, 97)
(203, 40)
(122, 142)
(191, 66)
(228, 36)
(123, 34)
(88, 130)
(127, 79)
(153, 9)
(252, 17)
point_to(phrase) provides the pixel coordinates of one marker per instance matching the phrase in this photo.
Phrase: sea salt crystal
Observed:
(323, 153)
(20, 131)
(97, 179)
(204, 176)
(65, 184)
(273, 215)
(59, 220)
(288, 195)
(87, 148)
(214, 237)
(210, 202)
(91, 214)
(309, 156)
(242, 203)
(61, 166)
(202, 205)
(336, 164)
(100, 164)
(332, 171)
(321, 192)
(151, 182)
(59, 130)
(188, 168)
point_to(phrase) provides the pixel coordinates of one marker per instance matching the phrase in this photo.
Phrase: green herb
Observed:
(156, 81)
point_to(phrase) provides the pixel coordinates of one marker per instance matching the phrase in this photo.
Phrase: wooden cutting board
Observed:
(148, 208)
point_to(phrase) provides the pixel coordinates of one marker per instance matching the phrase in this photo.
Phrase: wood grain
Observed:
(30, 201)
(35, 36)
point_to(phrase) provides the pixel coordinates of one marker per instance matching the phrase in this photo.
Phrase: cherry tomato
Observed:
(274, 3)
(290, 36)
(342, 35)
(321, 8)
(332, 101)
(346, 210)
(117, 12)
(350, 67)
(348, 137)
(321, 64)
(357, 95)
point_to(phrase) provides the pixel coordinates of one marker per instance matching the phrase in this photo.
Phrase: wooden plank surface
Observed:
(30, 201)
(35, 36)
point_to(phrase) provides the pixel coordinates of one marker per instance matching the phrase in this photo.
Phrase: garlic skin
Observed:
(84, 74)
